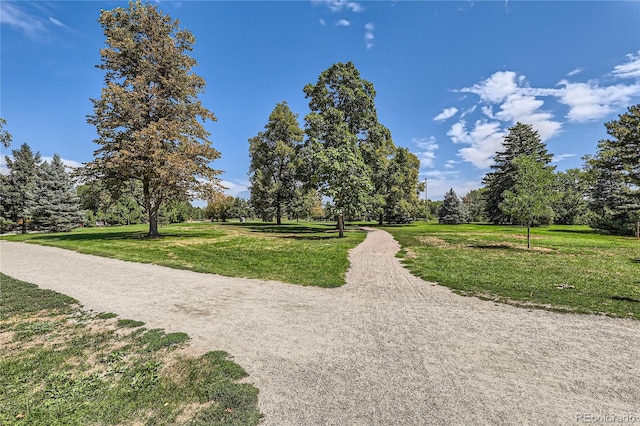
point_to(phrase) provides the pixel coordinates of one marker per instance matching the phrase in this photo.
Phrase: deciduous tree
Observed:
(341, 118)
(532, 193)
(149, 120)
(522, 139)
(273, 169)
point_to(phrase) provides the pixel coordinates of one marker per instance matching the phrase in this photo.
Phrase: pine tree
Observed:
(58, 205)
(522, 139)
(149, 119)
(616, 167)
(452, 211)
(20, 185)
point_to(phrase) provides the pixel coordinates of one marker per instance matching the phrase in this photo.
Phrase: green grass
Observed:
(60, 365)
(570, 268)
(298, 253)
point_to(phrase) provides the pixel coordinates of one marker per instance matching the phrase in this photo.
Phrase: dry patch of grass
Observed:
(64, 363)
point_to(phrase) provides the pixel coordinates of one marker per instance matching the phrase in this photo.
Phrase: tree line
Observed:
(524, 188)
(154, 155)
(347, 157)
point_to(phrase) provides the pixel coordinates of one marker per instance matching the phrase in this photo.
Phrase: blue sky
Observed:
(450, 76)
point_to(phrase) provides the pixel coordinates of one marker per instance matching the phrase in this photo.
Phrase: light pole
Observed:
(426, 200)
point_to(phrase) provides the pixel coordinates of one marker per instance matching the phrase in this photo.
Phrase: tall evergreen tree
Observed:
(58, 205)
(475, 203)
(522, 139)
(19, 200)
(273, 169)
(616, 175)
(342, 116)
(452, 211)
(149, 119)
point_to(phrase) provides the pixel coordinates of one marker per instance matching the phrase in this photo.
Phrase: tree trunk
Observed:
(528, 235)
(151, 209)
(380, 218)
(340, 225)
(278, 214)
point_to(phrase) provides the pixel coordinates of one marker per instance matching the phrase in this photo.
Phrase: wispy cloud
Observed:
(235, 188)
(322, 22)
(558, 158)
(426, 151)
(446, 114)
(343, 23)
(574, 72)
(56, 22)
(630, 69)
(339, 5)
(14, 16)
(368, 34)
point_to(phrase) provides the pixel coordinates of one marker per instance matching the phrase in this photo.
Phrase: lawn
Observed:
(298, 253)
(62, 365)
(569, 268)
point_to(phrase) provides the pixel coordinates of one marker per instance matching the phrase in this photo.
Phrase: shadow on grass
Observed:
(576, 231)
(624, 299)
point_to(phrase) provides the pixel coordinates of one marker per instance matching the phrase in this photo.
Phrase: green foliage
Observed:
(66, 367)
(149, 119)
(273, 172)
(475, 203)
(5, 136)
(572, 268)
(58, 207)
(522, 139)
(452, 211)
(401, 186)
(532, 194)
(570, 204)
(19, 195)
(299, 253)
(615, 176)
(342, 116)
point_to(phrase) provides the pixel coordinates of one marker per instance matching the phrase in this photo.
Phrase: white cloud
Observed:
(446, 114)
(440, 181)
(484, 140)
(630, 69)
(574, 72)
(450, 164)
(558, 158)
(426, 152)
(368, 34)
(496, 88)
(343, 23)
(339, 5)
(14, 16)
(56, 22)
(322, 22)
(70, 164)
(234, 188)
(589, 101)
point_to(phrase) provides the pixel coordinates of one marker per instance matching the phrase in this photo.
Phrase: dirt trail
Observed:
(385, 349)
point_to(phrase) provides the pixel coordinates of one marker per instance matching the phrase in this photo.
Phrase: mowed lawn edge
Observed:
(62, 364)
(569, 268)
(309, 254)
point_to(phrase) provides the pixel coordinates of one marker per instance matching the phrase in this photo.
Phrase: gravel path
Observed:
(385, 349)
